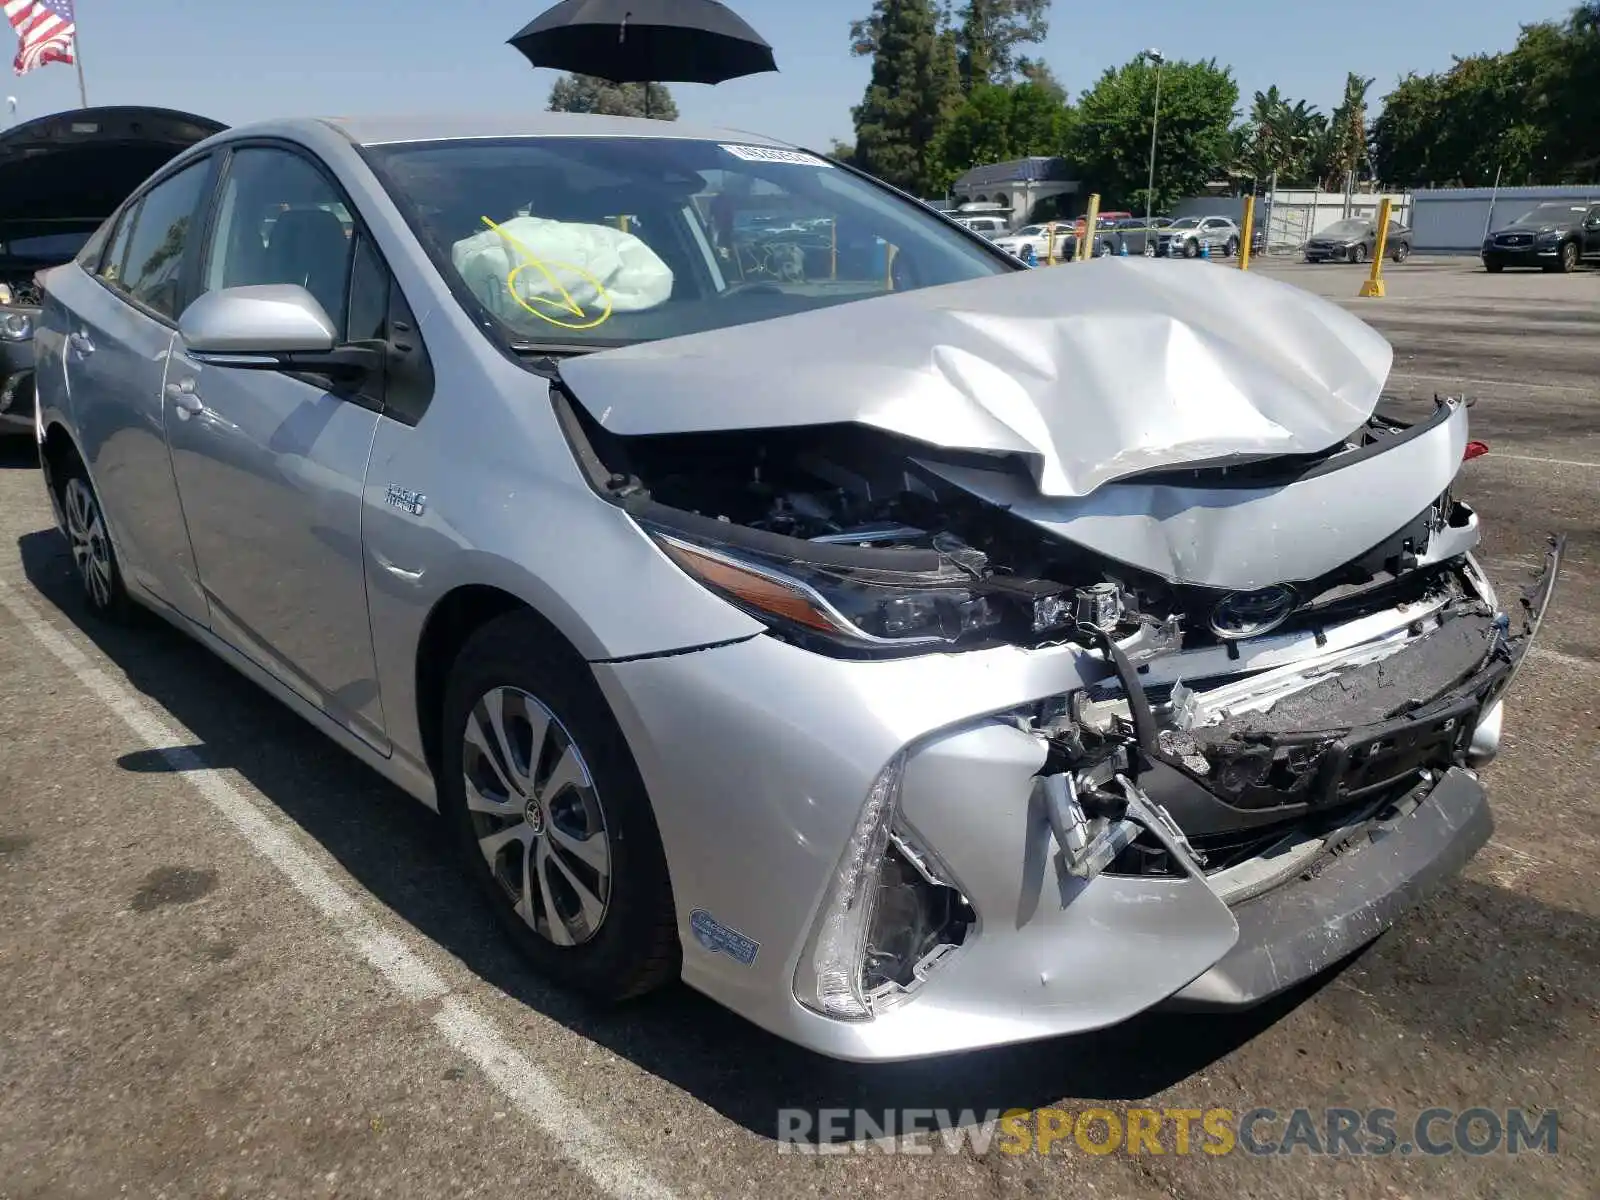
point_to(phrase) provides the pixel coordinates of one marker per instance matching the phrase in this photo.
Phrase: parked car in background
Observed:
(1355, 240)
(1186, 235)
(1555, 236)
(989, 227)
(832, 657)
(1043, 239)
(1137, 236)
(61, 176)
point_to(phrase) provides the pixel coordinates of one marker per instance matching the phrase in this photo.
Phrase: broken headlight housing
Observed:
(859, 610)
(889, 916)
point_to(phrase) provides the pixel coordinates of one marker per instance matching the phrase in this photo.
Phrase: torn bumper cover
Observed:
(976, 894)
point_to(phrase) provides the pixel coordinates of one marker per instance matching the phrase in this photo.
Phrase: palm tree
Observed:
(1348, 135)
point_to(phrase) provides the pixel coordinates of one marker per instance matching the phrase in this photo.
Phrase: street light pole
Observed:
(1155, 118)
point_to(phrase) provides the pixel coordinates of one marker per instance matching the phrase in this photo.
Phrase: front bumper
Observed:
(1295, 931)
(754, 828)
(1520, 256)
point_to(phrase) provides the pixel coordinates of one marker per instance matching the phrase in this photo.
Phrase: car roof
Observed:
(380, 130)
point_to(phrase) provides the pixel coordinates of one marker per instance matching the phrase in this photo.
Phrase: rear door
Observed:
(121, 324)
(270, 465)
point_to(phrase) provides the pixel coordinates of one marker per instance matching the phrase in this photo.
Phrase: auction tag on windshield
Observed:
(772, 154)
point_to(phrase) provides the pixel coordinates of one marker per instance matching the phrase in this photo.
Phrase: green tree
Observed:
(1531, 113)
(989, 35)
(1280, 137)
(842, 150)
(997, 123)
(586, 94)
(913, 92)
(1348, 150)
(1110, 137)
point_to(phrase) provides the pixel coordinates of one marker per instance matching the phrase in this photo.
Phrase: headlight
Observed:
(1549, 239)
(5, 294)
(15, 326)
(850, 608)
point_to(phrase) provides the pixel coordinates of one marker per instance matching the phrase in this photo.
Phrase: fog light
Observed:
(829, 977)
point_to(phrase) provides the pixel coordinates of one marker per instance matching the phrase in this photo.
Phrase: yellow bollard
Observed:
(1373, 286)
(1090, 219)
(1249, 231)
(1050, 246)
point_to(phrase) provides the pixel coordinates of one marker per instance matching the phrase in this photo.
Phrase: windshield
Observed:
(1552, 214)
(1185, 223)
(1352, 228)
(607, 241)
(44, 247)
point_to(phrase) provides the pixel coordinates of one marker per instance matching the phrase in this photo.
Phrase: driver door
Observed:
(271, 465)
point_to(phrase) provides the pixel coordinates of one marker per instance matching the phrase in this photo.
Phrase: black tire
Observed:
(1191, 249)
(1231, 248)
(1359, 254)
(94, 558)
(1568, 262)
(634, 947)
(1494, 268)
(1401, 252)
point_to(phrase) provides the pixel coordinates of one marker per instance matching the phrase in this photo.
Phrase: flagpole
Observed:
(77, 58)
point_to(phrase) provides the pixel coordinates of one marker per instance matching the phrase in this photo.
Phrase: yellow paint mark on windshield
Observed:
(563, 301)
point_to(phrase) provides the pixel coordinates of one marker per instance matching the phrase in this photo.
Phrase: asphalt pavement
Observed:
(234, 962)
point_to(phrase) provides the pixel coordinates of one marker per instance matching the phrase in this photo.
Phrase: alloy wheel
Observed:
(537, 817)
(91, 548)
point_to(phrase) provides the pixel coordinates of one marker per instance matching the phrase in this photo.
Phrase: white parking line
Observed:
(1566, 660)
(1520, 385)
(1554, 462)
(470, 1033)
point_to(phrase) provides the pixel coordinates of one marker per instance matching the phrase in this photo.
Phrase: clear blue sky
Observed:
(242, 60)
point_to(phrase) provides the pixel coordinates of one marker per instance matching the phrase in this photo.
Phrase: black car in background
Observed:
(1554, 236)
(61, 176)
(1355, 239)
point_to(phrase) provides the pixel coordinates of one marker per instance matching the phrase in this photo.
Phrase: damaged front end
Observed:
(1281, 761)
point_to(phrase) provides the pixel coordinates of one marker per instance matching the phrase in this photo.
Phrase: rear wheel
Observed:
(551, 815)
(94, 558)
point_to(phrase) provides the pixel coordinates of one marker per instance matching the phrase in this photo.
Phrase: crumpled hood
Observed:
(1089, 373)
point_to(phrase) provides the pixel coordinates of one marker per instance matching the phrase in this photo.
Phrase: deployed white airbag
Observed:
(565, 272)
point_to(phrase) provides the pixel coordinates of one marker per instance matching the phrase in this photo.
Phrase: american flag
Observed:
(46, 32)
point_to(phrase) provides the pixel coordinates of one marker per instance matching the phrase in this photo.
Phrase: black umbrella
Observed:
(646, 41)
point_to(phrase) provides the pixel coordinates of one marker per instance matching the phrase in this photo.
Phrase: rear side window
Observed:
(110, 268)
(152, 271)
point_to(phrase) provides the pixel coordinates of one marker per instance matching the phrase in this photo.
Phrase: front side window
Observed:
(607, 241)
(281, 221)
(151, 268)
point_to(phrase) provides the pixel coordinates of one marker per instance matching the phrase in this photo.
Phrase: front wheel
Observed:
(1359, 254)
(1231, 248)
(1191, 249)
(93, 555)
(1569, 258)
(1494, 268)
(551, 815)
(1402, 252)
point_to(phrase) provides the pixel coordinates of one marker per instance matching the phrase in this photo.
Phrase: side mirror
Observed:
(272, 327)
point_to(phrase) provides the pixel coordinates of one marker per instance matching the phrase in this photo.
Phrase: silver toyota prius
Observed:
(774, 586)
